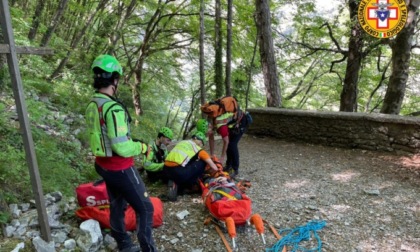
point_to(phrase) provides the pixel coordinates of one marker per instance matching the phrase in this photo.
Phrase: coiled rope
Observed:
(298, 234)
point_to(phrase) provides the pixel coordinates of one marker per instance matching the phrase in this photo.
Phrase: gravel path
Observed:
(370, 201)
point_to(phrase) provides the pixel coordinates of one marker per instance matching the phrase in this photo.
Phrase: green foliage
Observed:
(42, 87)
(169, 75)
(12, 162)
(4, 217)
(59, 162)
(60, 165)
(10, 245)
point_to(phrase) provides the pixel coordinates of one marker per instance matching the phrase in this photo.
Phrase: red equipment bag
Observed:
(92, 194)
(101, 214)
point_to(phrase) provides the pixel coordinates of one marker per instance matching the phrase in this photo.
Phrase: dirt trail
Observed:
(370, 201)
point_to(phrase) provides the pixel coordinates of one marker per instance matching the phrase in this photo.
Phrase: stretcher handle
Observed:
(276, 234)
(207, 221)
(258, 223)
(219, 231)
(230, 225)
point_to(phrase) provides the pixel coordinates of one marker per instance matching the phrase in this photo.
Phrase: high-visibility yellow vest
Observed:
(99, 132)
(224, 119)
(183, 152)
(98, 140)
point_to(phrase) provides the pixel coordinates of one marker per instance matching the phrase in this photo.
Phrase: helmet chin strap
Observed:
(115, 87)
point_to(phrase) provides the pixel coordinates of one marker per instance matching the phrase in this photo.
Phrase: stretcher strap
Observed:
(227, 195)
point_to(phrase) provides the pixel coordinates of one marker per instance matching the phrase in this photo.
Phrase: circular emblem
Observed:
(382, 18)
(146, 194)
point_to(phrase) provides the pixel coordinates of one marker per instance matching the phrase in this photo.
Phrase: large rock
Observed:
(90, 239)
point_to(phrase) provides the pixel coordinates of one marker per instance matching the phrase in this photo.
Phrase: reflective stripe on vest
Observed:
(106, 142)
(224, 119)
(183, 152)
(120, 139)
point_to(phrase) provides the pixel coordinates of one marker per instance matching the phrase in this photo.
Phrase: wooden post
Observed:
(11, 51)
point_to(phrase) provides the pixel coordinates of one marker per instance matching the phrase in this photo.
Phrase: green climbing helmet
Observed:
(201, 136)
(202, 125)
(107, 63)
(166, 132)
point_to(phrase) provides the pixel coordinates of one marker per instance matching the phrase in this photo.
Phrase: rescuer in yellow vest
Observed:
(186, 163)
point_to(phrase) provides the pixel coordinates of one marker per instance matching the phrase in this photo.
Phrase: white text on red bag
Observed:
(92, 194)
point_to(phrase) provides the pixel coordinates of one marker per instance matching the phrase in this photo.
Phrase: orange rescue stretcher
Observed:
(229, 206)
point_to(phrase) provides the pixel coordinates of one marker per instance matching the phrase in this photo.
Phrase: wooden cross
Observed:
(11, 51)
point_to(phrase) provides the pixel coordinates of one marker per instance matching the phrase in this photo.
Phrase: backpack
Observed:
(240, 122)
(220, 106)
(100, 145)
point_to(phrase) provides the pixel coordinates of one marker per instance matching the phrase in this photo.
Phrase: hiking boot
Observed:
(227, 169)
(194, 189)
(172, 191)
(163, 197)
(133, 248)
(233, 174)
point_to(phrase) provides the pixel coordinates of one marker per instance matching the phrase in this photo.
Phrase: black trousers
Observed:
(188, 175)
(232, 152)
(126, 186)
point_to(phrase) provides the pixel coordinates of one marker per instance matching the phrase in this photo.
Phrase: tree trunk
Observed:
(202, 73)
(250, 69)
(142, 54)
(218, 48)
(401, 53)
(36, 19)
(76, 39)
(54, 23)
(24, 5)
(348, 101)
(381, 82)
(116, 32)
(135, 89)
(186, 127)
(169, 122)
(3, 65)
(300, 87)
(229, 49)
(151, 35)
(268, 61)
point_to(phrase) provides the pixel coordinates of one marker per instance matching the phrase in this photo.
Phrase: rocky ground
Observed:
(369, 201)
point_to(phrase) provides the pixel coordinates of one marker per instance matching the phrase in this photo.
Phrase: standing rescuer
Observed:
(108, 125)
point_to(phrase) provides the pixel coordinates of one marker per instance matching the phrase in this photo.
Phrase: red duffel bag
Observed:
(93, 199)
(101, 214)
(92, 194)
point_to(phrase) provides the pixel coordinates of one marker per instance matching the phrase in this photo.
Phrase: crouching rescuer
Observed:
(108, 126)
(186, 163)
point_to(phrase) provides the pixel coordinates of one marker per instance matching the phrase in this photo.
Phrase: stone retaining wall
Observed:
(378, 132)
